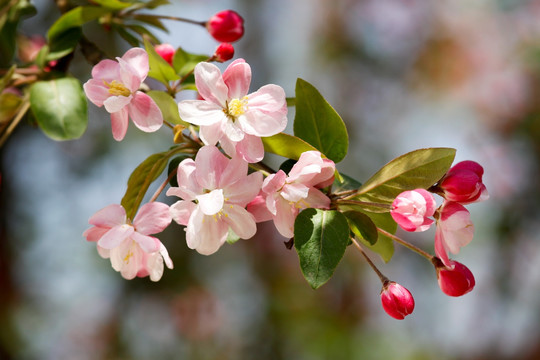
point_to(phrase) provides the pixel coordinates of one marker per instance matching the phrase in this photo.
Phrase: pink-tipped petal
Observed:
(94, 233)
(152, 218)
(116, 103)
(250, 148)
(294, 192)
(200, 112)
(237, 77)
(115, 236)
(210, 163)
(119, 124)
(145, 113)
(108, 217)
(244, 190)
(274, 182)
(210, 83)
(106, 70)
(236, 169)
(96, 91)
(211, 203)
(241, 221)
(137, 58)
(188, 187)
(317, 199)
(232, 130)
(284, 218)
(181, 211)
(148, 244)
(211, 134)
(257, 207)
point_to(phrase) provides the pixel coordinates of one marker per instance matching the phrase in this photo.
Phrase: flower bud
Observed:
(455, 229)
(463, 183)
(411, 210)
(166, 51)
(456, 280)
(224, 52)
(396, 300)
(226, 26)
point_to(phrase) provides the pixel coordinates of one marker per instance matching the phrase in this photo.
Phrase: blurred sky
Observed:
(404, 75)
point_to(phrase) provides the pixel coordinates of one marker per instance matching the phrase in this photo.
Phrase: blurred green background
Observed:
(404, 74)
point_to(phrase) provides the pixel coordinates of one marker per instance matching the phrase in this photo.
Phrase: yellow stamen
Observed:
(237, 107)
(116, 88)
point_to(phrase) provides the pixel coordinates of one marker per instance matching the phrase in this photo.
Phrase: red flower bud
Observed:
(456, 280)
(166, 51)
(463, 183)
(224, 52)
(226, 26)
(396, 300)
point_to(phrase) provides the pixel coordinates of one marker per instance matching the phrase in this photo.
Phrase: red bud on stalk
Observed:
(226, 26)
(396, 300)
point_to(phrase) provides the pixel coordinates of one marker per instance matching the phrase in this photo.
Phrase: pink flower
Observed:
(463, 183)
(224, 52)
(133, 252)
(282, 197)
(166, 51)
(396, 300)
(215, 191)
(412, 208)
(457, 280)
(226, 26)
(115, 85)
(454, 230)
(230, 115)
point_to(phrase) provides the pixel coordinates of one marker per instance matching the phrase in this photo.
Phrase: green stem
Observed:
(383, 278)
(176, 18)
(406, 244)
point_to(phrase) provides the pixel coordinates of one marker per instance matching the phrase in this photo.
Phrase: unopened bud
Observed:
(463, 183)
(396, 300)
(166, 51)
(224, 52)
(226, 26)
(456, 280)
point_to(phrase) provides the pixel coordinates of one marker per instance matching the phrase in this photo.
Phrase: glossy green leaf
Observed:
(113, 4)
(75, 18)
(159, 68)
(127, 36)
(417, 169)
(151, 20)
(142, 177)
(64, 44)
(9, 20)
(184, 62)
(318, 123)
(362, 226)
(143, 32)
(60, 108)
(286, 145)
(9, 105)
(168, 107)
(345, 183)
(320, 239)
(384, 245)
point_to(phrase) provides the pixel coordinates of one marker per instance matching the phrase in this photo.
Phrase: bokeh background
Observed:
(404, 74)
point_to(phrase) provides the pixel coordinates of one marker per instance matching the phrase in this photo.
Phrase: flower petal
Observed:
(237, 77)
(137, 58)
(152, 218)
(115, 236)
(251, 148)
(188, 186)
(108, 217)
(212, 202)
(210, 83)
(257, 207)
(241, 221)
(94, 233)
(205, 234)
(200, 112)
(244, 190)
(116, 103)
(107, 70)
(210, 164)
(119, 124)
(96, 91)
(232, 130)
(181, 211)
(148, 244)
(145, 113)
(285, 216)
(211, 134)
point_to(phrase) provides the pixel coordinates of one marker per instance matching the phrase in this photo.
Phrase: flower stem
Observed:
(176, 18)
(162, 186)
(383, 278)
(406, 244)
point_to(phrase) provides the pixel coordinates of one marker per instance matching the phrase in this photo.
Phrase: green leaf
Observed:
(159, 68)
(59, 107)
(113, 4)
(418, 169)
(384, 245)
(151, 20)
(152, 4)
(9, 105)
(143, 32)
(64, 43)
(75, 18)
(362, 226)
(320, 239)
(184, 62)
(232, 237)
(8, 28)
(345, 183)
(168, 107)
(140, 179)
(318, 123)
(286, 145)
(6, 79)
(124, 34)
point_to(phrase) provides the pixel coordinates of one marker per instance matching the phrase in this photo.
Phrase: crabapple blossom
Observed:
(283, 196)
(463, 183)
(133, 252)
(115, 85)
(412, 208)
(454, 230)
(224, 52)
(166, 51)
(215, 191)
(229, 115)
(396, 300)
(226, 26)
(456, 280)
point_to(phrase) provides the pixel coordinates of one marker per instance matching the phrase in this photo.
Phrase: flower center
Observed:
(116, 88)
(237, 107)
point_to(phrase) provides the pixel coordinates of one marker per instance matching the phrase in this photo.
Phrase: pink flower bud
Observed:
(224, 52)
(166, 51)
(396, 300)
(463, 183)
(456, 280)
(226, 26)
(454, 230)
(412, 208)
